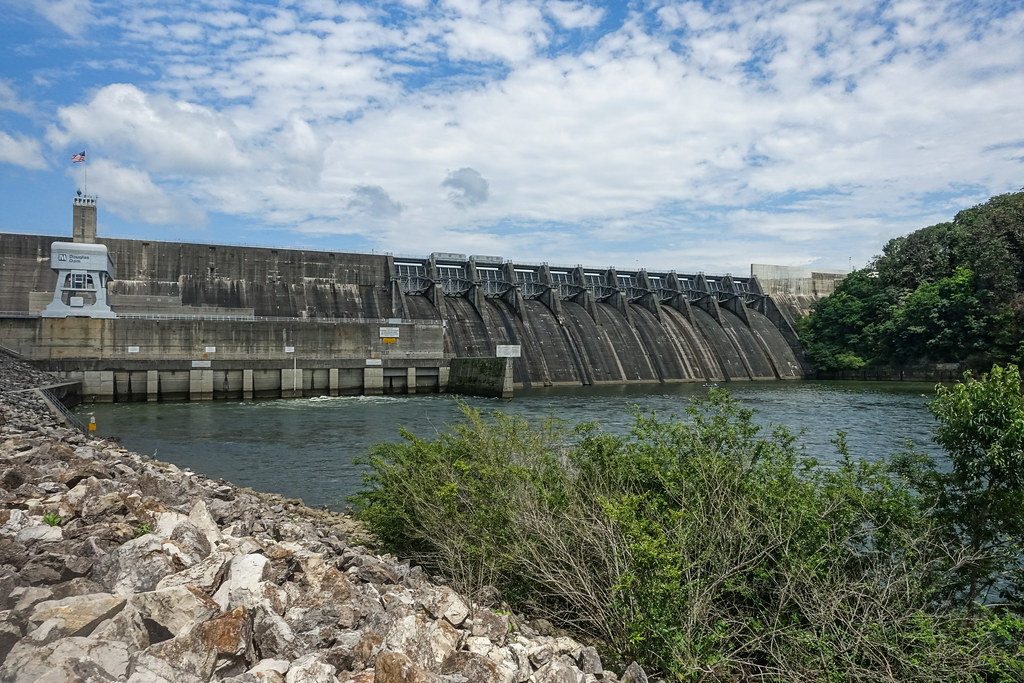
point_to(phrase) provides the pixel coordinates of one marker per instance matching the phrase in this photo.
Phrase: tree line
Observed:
(950, 292)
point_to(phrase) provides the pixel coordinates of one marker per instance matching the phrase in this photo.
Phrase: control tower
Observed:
(83, 269)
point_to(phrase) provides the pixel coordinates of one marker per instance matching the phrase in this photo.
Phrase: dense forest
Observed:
(950, 292)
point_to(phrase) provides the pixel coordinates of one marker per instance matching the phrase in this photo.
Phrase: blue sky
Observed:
(693, 136)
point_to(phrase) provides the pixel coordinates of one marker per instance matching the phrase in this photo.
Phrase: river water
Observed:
(304, 448)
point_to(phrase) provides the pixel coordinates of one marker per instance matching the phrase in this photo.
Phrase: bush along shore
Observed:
(115, 567)
(708, 549)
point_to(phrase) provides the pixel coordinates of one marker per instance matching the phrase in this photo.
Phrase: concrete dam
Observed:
(195, 321)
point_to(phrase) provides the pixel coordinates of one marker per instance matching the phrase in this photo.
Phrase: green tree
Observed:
(978, 501)
(941, 321)
(841, 332)
(948, 292)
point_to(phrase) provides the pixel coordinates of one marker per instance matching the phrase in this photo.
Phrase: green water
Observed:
(304, 448)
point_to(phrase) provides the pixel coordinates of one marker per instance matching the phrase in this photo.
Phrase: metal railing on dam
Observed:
(249, 318)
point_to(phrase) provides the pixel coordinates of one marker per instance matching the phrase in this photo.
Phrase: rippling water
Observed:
(304, 448)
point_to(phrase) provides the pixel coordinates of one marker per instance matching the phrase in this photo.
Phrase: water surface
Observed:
(304, 448)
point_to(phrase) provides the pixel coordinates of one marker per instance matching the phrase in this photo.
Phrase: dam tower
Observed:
(83, 221)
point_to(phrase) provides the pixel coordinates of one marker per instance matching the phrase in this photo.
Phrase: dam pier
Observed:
(138, 320)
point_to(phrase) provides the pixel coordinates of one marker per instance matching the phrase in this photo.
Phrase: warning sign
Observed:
(389, 340)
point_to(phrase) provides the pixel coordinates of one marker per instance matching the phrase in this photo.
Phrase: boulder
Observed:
(135, 567)
(396, 667)
(590, 662)
(561, 669)
(172, 661)
(311, 668)
(74, 616)
(476, 668)
(28, 661)
(207, 575)
(175, 608)
(244, 583)
(442, 602)
(491, 625)
(634, 674)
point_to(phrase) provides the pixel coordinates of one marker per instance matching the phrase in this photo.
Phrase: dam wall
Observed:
(795, 290)
(376, 323)
(169, 359)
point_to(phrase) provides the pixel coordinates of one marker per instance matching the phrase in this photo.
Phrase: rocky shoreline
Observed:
(115, 567)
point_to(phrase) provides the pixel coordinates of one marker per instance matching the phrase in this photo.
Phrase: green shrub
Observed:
(699, 547)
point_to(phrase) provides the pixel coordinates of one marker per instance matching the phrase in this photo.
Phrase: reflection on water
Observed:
(304, 448)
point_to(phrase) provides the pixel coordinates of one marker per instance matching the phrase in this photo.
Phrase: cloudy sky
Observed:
(686, 135)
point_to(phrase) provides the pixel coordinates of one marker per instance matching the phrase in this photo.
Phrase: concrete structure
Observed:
(481, 377)
(794, 290)
(83, 271)
(206, 321)
(83, 221)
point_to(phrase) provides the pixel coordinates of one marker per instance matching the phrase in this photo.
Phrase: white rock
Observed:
(201, 517)
(74, 616)
(40, 534)
(270, 670)
(175, 608)
(206, 575)
(166, 521)
(27, 662)
(244, 583)
(17, 520)
(479, 645)
(311, 669)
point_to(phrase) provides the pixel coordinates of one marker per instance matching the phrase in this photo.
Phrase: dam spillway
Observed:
(572, 325)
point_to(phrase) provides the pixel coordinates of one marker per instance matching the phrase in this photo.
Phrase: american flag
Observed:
(75, 158)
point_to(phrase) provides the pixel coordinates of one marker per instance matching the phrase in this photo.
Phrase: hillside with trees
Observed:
(950, 292)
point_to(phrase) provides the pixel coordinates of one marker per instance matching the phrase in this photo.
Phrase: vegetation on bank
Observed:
(706, 549)
(951, 292)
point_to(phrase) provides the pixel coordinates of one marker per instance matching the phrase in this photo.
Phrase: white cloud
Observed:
(21, 151)
(805, 130)
(9, 100)
(574, 14)
(73, 17)
(131, 194)
(164, 134)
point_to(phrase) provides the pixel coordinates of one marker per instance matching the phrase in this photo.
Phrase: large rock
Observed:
(493, 626)
(475, 667)
(42, 533)
(244, 584)
(172, 661)
(75, 616)
(273, 636)
(311, 668)
(127, 626)
(427, 643)
(396, 667)
(135, 567)
(561, 669)
(634, 674)
(27, 661)
(201, 518)
(207, 575)
(441, 602)
(590, 661)
(176, 608)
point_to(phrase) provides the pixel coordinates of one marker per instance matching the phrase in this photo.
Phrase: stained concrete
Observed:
(331, 307)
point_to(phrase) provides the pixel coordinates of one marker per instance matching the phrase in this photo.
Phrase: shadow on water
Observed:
(304, 448)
